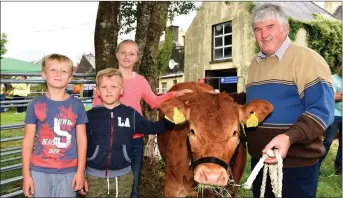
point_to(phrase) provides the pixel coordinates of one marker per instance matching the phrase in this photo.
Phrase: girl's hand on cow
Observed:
(182, 92)
(281, 143)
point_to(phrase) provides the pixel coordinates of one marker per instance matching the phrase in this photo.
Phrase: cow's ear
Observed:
(182, 103)
(260, 108)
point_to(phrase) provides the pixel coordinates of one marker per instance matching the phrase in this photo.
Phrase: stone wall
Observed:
(198, 41)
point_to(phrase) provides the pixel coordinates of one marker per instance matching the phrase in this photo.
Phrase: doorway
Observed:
(223, 80)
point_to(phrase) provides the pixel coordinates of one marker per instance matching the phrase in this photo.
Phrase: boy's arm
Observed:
(27, 146)
(29, 135)
(26, 152)
(81, 141)
(145, 126)
(81, 147)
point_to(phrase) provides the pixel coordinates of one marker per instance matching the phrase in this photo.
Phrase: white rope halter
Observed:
(275, 173)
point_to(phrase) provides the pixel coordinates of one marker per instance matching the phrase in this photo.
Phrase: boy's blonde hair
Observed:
(109, 72)
(57, 57)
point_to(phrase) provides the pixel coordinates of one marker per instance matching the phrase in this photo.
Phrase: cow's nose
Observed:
(212, 176)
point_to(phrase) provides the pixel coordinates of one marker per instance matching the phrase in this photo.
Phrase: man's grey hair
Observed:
(269, 11)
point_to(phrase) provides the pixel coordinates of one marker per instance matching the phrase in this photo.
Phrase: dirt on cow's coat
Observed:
(151, 179)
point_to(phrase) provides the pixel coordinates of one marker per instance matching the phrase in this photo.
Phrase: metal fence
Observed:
(17, 191)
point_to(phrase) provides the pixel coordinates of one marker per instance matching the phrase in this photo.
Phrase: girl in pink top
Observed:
(136, 87)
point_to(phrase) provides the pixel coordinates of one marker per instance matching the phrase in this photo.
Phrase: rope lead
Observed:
(275, 173)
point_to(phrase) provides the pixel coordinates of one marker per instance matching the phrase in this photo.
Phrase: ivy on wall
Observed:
(165, 51)
(323, 35)
(251, 6)
(294, 27)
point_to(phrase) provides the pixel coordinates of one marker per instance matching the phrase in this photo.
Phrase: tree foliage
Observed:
(129, 12)
(177, 8)
(251, 6)
(323, 35)
(128, 15)
(134, 15)
(3, 42)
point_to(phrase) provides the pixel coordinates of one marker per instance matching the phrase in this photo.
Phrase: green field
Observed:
(330, 185)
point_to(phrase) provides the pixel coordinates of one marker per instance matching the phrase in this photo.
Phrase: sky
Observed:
(35, 29)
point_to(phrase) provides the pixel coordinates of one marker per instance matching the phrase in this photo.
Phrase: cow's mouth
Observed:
(220, 191)
(211, 174)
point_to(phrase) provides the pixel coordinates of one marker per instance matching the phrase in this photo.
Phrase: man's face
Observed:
(269, 35)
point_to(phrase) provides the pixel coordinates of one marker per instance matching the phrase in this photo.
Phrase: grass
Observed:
(151, 184)
(220, 191)
(241, 191)
(9, 118)
(329, 185)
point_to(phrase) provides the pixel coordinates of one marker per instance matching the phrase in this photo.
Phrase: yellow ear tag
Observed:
(252, 121)
(178, 116)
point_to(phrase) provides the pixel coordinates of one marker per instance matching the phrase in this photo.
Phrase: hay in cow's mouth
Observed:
(220, 191)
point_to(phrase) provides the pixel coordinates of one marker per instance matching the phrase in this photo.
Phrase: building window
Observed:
(222, 41)
(174, 82)
(164, 87)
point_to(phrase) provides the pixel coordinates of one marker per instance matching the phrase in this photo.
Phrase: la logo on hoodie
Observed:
(121, 123)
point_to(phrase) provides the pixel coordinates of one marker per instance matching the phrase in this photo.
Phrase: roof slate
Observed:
(91, 59)
(338, 13)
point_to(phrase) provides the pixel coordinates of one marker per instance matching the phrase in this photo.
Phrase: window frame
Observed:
(164, 87)
(223, 35)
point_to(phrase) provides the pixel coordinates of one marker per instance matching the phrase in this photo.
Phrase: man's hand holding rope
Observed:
(281, 143)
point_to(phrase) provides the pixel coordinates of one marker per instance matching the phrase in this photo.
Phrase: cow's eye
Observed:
(191, 132)
(235, 133)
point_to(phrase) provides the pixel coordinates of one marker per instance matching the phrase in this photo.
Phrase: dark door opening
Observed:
(216, 78)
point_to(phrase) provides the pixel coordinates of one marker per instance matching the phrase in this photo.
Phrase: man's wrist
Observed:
(293, 135)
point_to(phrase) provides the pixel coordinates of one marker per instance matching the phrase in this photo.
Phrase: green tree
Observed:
(149, 18)
(165, 51)
(322, 35)
(3, 42)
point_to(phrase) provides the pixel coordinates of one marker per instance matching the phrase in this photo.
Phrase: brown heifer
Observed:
(212, 131)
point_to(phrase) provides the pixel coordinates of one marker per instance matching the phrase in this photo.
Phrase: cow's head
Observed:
(214, 129)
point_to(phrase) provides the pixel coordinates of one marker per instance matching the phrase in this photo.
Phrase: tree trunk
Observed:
(106, 34)
(144, 10)
(157, 25)
(149, 39)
